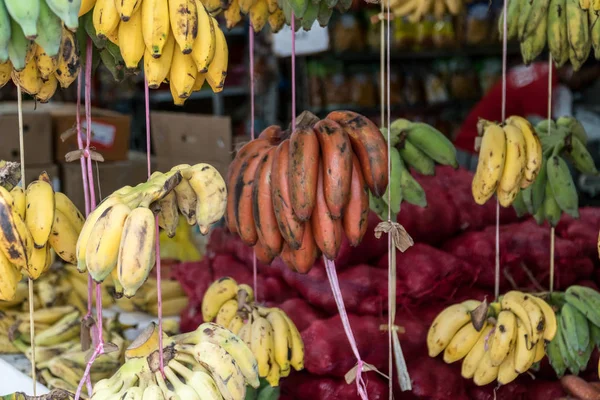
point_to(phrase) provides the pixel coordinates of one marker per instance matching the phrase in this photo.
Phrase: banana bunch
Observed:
(209, 363)
(418, 146)
(174, 299)
(34, 223)
(510, 159)
(568, 27)
(268, 332)
(118, 237)
(178, 41)
(296, 196)
(497, 342)
(578, 330)
(415, 10)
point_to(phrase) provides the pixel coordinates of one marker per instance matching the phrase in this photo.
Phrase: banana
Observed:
(259, 15)
(233, 14)
(63, 238)
(5, 73)
(103, 244)
(47, 89)
(216, 295)
(204, 46)
(202, 383)
(184, 23)
(157, 69)
(534, 44)
(513, 301)
(354, 219)
(106, 17)
(131, 39)
(24, 14)
(281, 338)
(558, 41)
(581, 157)
(18, 46)
(586, 300)
(336, 162)
(575, 328)
(186, 197)
(327, 232)
(595, 32)
(70, 210)
(49, 27)
(411, 190)
(127, 8)
(415, 158)
(514, 166)
(323, 18)
(262, 343)
(503, 339)
(462, 343)
(555, 357)
(445, 326)
(136, 250)
(217, 70)
(223, 368)
(563, 187)
(86, 6)
(486, 372)
(227, 312)
(15, 241)
(245, 5)
(524, 355)
(39, 262)
(236, 324)
(304, 166)
(63, 330)
(506, 371)
(578, 31)
(68, 59)
(533, 149)
(473, 358)
(566, 354)
(183, 73)
(168, 216)
(155, 26)
(18, 195)
(40, 210)
(534, 313)
(5, 28)
(10, 279)
(211, 194)
(513, 9)
(28, 79)
(492, 156)
(550, 322)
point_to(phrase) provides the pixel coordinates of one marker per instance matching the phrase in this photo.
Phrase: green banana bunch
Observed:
(49, 27)
(415, 158)
(576, 331)
(536, 14)
(428, 140)
(512, 24)
(558, 42)
(578, 33)
(562, 185)
(573, 126)
(580, 157)
(324, 14)
(298, 7)
(310, 15)
(587, 301)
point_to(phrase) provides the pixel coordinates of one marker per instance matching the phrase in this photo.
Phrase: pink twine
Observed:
(391, 282)
(293, 71)
(251, 50)
(157, 246)
(339, 301)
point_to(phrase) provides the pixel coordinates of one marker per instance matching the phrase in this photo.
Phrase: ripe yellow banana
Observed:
(28, 78)
(211, 194)
(126, 8)
(137, 250)
(199, 82)
(233, 14)
(524, 355)
(63, 238)
(550, 323)
(533, 149)
(49, 86)
(86, 6)
(177, 99)
(486, 372)
(216, 295)
(203, 49)
(168, 216)
(514, 166)
(186, 197)
(46, 65)
(297, 347)
(10, 278)
(39, 262)
(503, 339)
(445, 326)
(184, 23)
(15, 240)
(223, 368)
(217, 70)
(462, 343)
(171, 307)
(5, 72)
(226, 313)
(157, 69)
(492, 155)
(40, 210)
(245, 5)
(18, 196)
(131, 40)
(106, 17)
(70, 210)
(281, 338)
(471, 361)
(68, 59)
(156, 26)
(235, 325)
(182, 75)
(262, 343)
(274, 372)
(259, 15)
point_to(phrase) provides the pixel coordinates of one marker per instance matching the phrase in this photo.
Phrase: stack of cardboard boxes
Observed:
(177, 138)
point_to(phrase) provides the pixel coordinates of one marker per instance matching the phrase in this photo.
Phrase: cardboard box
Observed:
(32, 172)
(180, 138)
(37, 135)
(113, 176)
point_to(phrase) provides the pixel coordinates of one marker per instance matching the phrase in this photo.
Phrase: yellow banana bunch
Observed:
(497, 343)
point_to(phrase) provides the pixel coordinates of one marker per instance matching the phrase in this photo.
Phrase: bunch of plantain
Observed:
(510, 160)
(418, 146)
(569, 27)
(496, 342)
(118, 239)
(208, 363)
(578, 329)
(176, 41)
(268, 332)
(35, 223)
(295, 193)
(554, 190)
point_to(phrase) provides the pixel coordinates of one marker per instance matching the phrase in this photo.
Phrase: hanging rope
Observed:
(251, 62)
(293, 71)
(552, 232)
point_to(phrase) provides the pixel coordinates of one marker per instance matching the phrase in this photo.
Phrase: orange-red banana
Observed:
(304, 258)
(369, 145)
(263, 254)
(265, 221)
(337, 165)
(356, 213)
(304, 166)
(291, 228)
(326, 230)
(242, 196)
(286, 256)
(232, 173)
(272, 133)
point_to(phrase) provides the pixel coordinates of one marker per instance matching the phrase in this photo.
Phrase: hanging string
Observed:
(552, 232)
(251, 62)
(30, 281)
(157, 245)
(293, 71)
(382, 63)
(504, 56)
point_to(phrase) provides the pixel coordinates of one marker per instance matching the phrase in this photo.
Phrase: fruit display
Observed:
(118, 237)
(554, 190)
(496, 342)
(296, 193)
(418, 146)
(510, 159)
(175, 41)
(210, 362)
(271, 335)
(415, 10)
(38, 47)
(568, 27)
(578, 332)
(35, 222)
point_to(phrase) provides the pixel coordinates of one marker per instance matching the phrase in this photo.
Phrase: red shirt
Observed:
(526, 94)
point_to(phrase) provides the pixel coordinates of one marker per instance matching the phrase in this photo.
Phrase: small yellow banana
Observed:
(156, 26)
(131, 40)
(514, 166)
(217, 70)
(183, 73)
(492, 155)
